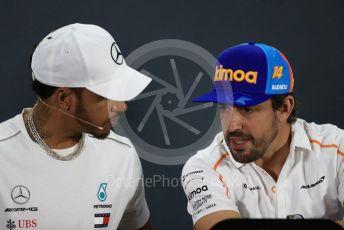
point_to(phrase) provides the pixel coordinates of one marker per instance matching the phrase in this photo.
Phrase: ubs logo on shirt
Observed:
(30, 223)
(11, 224)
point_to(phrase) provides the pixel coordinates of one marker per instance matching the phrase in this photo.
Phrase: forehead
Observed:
(265, 104)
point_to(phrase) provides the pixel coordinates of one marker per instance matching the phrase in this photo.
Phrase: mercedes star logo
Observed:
(116, 54)
(20, 194)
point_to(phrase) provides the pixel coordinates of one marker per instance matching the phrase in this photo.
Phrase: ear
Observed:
(287, 108)
(64, 98)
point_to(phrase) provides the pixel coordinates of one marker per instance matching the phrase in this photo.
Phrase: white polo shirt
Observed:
(101, 189)
(310, 184)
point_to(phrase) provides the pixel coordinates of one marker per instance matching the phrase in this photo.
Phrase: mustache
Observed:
(239, 134)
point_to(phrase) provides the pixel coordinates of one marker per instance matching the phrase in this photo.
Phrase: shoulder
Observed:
(9, 128)
(120, 139)
(322, 133)
(115, 140)
(323, 137)
(206, 158)
(116, 146)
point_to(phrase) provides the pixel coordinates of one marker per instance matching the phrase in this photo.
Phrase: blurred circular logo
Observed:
(163, 123)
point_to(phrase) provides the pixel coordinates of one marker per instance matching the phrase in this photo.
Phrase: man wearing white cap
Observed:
(61, 165)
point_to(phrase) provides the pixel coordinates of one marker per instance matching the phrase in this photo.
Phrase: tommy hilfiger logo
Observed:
(101, 220)
(314, 184)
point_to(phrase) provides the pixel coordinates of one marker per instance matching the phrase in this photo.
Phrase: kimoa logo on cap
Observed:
(238, 75)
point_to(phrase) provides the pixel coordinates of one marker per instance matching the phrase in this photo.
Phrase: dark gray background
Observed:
(309, 33)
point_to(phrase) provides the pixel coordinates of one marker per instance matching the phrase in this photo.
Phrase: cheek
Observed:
(98, 112)
(225, 118)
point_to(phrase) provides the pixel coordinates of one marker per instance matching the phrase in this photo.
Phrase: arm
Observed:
(340, 174)
(136, 213)
(340, 222)
(208, 221)
(209, 198)
(147, 226)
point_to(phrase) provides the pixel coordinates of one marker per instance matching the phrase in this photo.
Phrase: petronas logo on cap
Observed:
(102, 192)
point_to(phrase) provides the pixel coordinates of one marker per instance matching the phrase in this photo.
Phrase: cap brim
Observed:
(237, 99)
(124, 86)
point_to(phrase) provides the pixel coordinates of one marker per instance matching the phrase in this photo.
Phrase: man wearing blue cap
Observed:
(266, 163)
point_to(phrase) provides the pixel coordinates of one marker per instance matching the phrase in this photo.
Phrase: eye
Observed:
(247, 109)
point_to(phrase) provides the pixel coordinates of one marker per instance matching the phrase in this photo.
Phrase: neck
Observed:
(276, 155)
(51, 127)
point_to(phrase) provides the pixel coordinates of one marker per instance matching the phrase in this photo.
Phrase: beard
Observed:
(260, 145)
(97, 133)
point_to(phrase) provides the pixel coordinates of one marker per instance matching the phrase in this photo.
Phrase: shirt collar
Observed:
(299, 136)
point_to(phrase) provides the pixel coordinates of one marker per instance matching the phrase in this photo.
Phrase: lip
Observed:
(238, 142)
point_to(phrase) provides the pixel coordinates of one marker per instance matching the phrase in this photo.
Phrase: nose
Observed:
(235, 122)
(118, 106)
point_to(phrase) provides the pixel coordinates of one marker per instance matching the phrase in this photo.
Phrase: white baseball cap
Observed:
(86, 56)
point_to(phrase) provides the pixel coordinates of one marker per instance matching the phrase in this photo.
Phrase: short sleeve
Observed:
(340, 170)
(136, 213)
(205, 190)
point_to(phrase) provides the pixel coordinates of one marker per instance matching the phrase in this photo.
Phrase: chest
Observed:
(84, 194)
(304, 187)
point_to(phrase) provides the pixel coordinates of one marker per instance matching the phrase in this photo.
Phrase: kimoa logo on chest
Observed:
(314, 184)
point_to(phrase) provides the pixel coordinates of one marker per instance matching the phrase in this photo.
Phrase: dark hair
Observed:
(277, 102)
(42, 90)
(45, 91)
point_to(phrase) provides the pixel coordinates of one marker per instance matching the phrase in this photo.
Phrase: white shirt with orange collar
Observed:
(311, 182)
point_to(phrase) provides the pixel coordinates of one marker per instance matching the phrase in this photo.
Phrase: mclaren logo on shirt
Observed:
(314, 184)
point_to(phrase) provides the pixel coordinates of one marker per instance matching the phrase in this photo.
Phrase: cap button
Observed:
(251, 43)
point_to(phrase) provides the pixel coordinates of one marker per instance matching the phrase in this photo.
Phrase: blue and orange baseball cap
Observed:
(249, 74)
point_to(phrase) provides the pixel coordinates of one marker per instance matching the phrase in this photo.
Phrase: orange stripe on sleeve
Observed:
(327, 146)
(218, 162)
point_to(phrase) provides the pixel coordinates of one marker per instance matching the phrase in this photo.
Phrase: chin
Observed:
(244, 156)
(102, 135)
